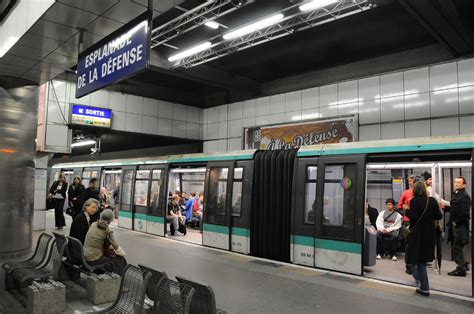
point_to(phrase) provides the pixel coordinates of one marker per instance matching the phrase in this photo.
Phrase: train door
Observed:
(217, 204)
(110, 183)
(155, 219)
(125, 215)
(339, 213)
(140, 198)
(90, 173)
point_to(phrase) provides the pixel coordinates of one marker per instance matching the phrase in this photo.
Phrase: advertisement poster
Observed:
(287, 136)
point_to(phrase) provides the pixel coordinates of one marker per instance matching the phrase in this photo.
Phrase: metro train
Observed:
(304, 206)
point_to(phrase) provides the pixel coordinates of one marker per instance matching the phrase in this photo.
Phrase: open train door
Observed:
(125, 215)
(217, 204)
(155, 218)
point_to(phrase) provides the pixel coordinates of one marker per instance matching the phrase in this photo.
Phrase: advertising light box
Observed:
(90, 116)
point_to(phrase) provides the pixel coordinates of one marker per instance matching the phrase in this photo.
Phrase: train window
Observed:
(237, 192)
(155, 194)
(156, 174)
(217, 192)
(141, 193)
(223, 172)
(143, 174)
(86, 174)
(334, 188)
(127, 187)
(310, 195)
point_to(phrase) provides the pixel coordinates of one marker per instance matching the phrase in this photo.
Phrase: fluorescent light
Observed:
(212, 24)
(400, 166)
(7, 45)
(190, 51)
(461, 164)
(83, 143)
(316, 4)
(254, 26)
(189, 170)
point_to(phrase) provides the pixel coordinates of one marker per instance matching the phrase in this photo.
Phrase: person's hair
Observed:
(200, 193)
(107, 215)
(89, 202)
(419, 189)
(390, 200)
(192, 194)
(462, 178)
(411, 177)
(174, 197)
(77, 178)
(93, 180)
(61, 175)
(426, 175)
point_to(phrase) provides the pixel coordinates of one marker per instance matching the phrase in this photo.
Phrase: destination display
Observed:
(90, 116)
(122, 54)
(287, 136)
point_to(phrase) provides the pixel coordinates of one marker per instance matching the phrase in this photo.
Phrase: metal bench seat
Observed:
(35, 260)
(155, 279)
(204, 300)
(172, 297)
(76, 258)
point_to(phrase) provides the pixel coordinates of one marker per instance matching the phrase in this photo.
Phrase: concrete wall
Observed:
(426, 101)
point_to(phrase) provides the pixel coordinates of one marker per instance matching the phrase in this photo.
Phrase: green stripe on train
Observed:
(150, 218)
(387, 149)
(211, 158)
(125, 214)
(242, 232)
(216, 228)
(155, 219)
(332, 245)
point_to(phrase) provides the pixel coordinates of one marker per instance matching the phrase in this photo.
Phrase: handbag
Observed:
(418, 221)
(110, 252)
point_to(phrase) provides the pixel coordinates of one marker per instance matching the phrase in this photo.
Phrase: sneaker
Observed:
(394, 258)
(457, 272)
(378, 256)
(423, 292)
(178, 233)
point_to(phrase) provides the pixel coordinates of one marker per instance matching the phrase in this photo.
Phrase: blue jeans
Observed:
(420, 274)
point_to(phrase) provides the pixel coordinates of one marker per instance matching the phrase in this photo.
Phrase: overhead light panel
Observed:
(212, 24)
(316, 4)
(190, 51)
(84, 143)
(7, 45)
(254, 26)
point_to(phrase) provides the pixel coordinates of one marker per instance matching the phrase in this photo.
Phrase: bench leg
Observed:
(45, 297)
(103, 288)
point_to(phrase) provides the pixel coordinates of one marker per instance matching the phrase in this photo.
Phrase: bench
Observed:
(153, 282)
(77, 259)
(131, 297)
(38, 257)
(204, 300)
(172, 297)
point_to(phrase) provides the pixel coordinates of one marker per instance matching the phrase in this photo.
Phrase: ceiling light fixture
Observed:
(7, 45)
(190, 51)
(254, 26)
(84, 143)
(212, 24)
(316, 4)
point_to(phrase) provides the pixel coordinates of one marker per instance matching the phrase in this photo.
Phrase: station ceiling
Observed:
(390, 35)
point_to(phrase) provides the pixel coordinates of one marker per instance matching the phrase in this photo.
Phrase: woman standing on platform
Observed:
(423, 212)
(74, 194)
(57, 193)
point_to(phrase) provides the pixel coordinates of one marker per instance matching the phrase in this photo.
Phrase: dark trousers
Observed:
(59, 213)
(459, 241)
(387, 243)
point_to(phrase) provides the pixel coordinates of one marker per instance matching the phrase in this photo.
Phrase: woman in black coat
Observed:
(74, 194)
(423, 212)
(57, 193)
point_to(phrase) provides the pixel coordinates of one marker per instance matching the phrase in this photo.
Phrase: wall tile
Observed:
(100, 99)
(466, 125)
(310, 98)
(248, 122)
(118, 120)
(466, 100)
(443, 76)
(444, 102)
(165, 126)
(445, 127)
(249, 108)
(263, 120)
(392, 109)
(417, 106)
(133, 122)
(369, 111)
(150, 107)
(117, 102)
(347, 109)
(222, 129)
(54, 111)
(165, 109)
(210, 147)
(369, 88)
(293, 101)
(391, 85)
(179, 112)
(391, 131)
(179, 128)
(235, 144)
(212, 115)
(328, 95)
(235, 128)
(205, 113)
(212, 131)
(201, 116)
(347, 92)
(62, 91)
(466, 72)
(262, 106)
(222, 113)
(420, 128)
(277, 118)
(150, 125)
(277, 103)
(310, 114)
(85, 100)
(134, 104)
(235, 111)
(416, 81)
(193, 131)
(293, 116)
(193, 114)
(222, 145)
(369, 132)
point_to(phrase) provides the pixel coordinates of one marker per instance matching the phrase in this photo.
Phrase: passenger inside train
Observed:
(388, 225)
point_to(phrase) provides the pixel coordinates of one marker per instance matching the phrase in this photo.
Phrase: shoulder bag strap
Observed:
(421, 217)
(389, 216)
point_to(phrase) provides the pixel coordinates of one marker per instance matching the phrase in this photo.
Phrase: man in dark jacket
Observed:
(460, 206)
(82, 221)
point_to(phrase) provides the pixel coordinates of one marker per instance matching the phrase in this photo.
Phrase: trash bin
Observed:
(370, 246)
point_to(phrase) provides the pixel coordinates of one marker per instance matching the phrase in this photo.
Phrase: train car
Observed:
(304, 206)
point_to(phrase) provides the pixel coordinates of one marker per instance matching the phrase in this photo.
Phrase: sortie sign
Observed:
(120, 55)
(90, 116)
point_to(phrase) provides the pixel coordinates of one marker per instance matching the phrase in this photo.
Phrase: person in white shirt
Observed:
(388, 225)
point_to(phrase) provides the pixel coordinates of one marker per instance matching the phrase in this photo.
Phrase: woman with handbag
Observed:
(57, 194)
(101, 247)
(423, 212)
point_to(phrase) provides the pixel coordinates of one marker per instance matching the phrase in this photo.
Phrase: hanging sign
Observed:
(287, 136)
(120, 55)
(90, 116)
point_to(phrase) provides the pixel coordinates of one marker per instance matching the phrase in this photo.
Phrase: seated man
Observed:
(174, 215)
(388, 224)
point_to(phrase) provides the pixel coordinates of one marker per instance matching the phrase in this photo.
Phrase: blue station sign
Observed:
(90, 116)
(122, 54)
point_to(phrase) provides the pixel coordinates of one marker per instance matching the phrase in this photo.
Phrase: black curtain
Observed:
(270, 216)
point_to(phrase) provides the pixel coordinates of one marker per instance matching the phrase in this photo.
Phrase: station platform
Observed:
(244, 284)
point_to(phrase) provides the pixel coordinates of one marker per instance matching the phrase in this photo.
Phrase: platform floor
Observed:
(244, 284)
